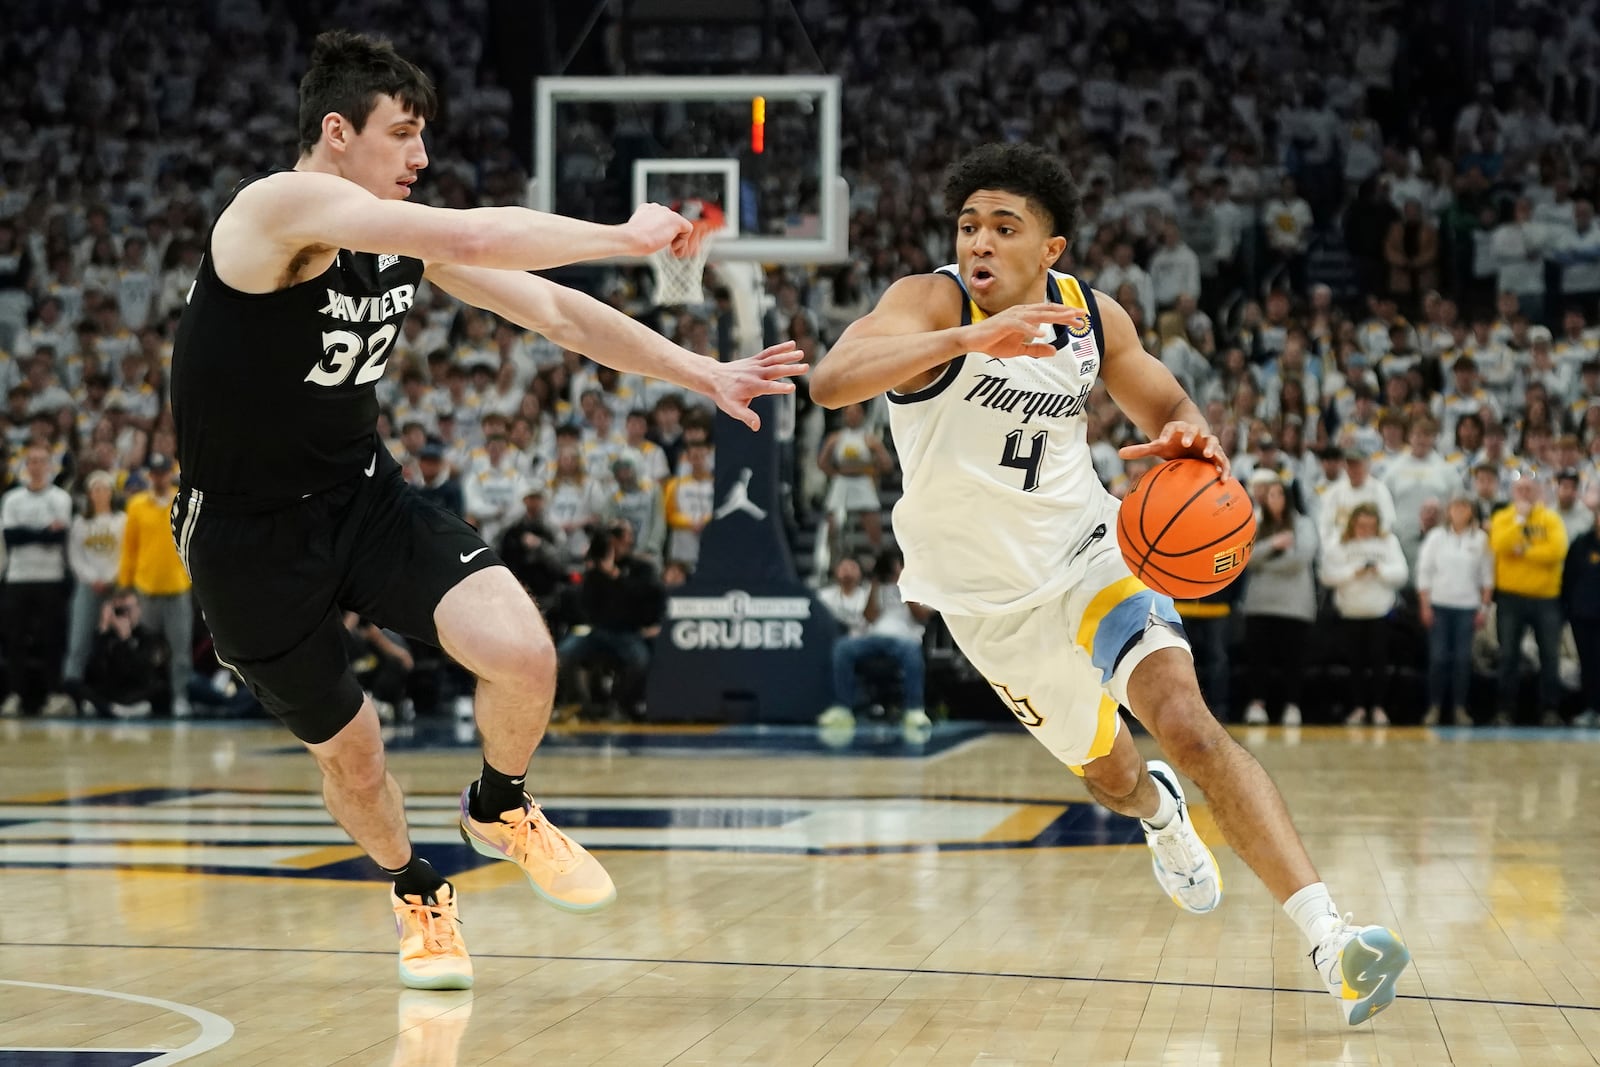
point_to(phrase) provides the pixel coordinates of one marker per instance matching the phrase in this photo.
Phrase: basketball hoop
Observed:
(679, 280)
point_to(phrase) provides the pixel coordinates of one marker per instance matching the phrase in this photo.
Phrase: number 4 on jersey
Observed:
(1012, 457)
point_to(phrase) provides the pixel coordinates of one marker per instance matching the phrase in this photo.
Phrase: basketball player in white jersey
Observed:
(1006, 530)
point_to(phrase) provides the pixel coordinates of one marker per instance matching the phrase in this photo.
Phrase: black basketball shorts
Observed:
(274, 586)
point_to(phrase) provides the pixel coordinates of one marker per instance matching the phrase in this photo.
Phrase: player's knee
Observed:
(1188, 733)
(357, 770)
(523, 656)
(1115, 779)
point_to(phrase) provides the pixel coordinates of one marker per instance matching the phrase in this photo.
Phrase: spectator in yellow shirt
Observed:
(152, 568)
(1530, 545)
(688, 504)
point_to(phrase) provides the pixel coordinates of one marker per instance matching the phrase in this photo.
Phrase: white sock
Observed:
(1168, 809)
(1312, 910)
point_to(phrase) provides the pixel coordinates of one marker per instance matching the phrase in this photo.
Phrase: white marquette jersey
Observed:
(1001, 496)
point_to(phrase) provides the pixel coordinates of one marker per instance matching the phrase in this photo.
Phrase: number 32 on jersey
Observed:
(344, 350)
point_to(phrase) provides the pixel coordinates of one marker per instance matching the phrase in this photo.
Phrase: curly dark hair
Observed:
(1023, 169)
(348, 72)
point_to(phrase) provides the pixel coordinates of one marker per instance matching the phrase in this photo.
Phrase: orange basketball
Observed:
(1184, 531)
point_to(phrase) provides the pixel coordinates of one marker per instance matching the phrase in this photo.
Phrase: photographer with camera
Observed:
(125, 662)
(623, 602)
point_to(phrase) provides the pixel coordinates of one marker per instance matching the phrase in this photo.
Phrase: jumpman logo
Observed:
(738, 499)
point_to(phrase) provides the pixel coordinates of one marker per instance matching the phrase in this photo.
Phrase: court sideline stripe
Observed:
(215, 1031)
(939, 972)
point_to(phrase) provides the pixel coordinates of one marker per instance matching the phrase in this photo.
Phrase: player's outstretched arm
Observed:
(914, 331)
(308, 209)
(1146, 391)
(576, 321)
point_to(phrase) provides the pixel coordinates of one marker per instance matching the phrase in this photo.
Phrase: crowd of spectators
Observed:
(1366, 248)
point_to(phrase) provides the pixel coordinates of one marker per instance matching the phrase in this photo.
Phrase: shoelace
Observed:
(534, 827)
(438, 928)
(1176, 851)
(1327, 953)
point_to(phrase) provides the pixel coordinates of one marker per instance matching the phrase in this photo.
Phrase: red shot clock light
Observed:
(758, 125)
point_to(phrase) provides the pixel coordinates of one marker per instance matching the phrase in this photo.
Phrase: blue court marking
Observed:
(1080, 825)
(1149, 983)
(1077, 825)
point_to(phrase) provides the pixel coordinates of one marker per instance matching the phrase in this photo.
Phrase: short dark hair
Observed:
(348, 72)
(1027, 171)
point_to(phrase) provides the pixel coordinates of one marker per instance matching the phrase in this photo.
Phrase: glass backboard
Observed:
(763, 149)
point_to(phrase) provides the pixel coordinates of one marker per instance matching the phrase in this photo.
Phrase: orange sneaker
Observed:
(559, 869)
(432, 953)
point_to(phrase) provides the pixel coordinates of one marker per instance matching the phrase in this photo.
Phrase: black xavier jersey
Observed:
(274, 394)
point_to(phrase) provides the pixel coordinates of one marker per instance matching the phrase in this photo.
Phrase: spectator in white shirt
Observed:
(35, 516)
(1415, 477)
(891, 629)
(1455, 584)
(1124, 271)
(1539, 367)
(846, 601)
(1465, 396)
(1519, 247)
(1578, 248)
(1174, 269)
(1356, 488)
(1287, 220)
(1365, 569)
(1570, 508)
(94, 551)
(1555, 209)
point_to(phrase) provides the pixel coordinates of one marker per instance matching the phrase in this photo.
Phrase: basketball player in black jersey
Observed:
(292, 511)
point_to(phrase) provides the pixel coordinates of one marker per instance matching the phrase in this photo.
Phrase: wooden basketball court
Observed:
(179, 895)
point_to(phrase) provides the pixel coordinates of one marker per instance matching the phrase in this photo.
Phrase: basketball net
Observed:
(680, 280)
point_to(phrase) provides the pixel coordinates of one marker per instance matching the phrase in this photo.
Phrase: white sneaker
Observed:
(1291, 715)
(915, 725)
(837, 716)
(1380, 717)
(1360, 965)
(1183, 865)
(139, 709)
(60, 706)
(463, 708)
(1256, 714)
(181, 708)
(1357, 717)
(11, 707)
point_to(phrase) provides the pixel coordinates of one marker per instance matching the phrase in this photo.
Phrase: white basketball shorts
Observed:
(1063, 666)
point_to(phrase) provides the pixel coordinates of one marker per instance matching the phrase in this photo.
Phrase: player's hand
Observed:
(1179, 440)
(733, 385)
(1016, 330)
(653, 227)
